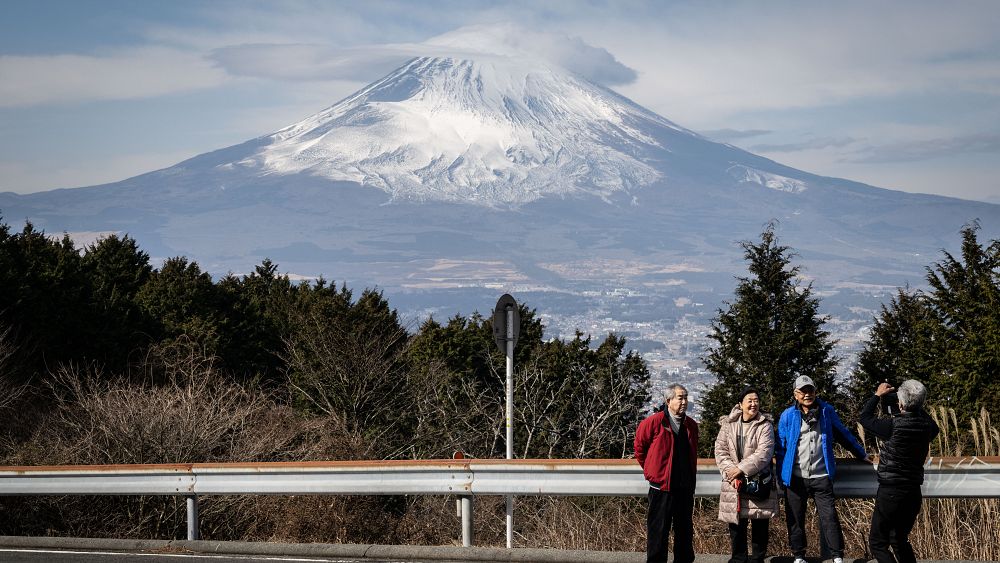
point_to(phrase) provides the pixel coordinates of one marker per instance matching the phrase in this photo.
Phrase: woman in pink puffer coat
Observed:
(753, 432)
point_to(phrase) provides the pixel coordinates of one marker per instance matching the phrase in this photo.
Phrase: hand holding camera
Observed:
(884, 388)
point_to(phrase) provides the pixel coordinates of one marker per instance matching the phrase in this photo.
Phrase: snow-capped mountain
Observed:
(496, 131)
(489, 132)
(497, 172)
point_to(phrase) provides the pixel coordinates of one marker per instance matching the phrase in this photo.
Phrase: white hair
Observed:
(911, 394)
(672, 390)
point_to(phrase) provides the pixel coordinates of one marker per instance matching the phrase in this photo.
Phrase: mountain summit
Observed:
(494, 131)
(491, 131)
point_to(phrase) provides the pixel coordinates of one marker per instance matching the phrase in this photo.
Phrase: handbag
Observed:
(759, 486)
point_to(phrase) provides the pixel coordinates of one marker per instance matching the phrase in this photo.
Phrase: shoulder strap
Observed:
(739, 441)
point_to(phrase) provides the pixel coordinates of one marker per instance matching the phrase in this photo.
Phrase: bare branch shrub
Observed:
(454, 413)
(17, 421)
(10, 392)
(353, 371)
(537, 406)
(198, 416)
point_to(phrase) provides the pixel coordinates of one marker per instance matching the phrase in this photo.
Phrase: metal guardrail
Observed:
(945, 477)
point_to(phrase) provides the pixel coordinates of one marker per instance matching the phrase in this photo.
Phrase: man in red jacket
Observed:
(666, 446)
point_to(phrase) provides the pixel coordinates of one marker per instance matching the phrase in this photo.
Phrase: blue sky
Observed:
(898, 94)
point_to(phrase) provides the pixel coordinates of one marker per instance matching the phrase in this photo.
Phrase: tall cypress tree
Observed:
(965, 293)
(43, 298)
(258, 307)
(767, 336)
(901, 345)
(115, 270)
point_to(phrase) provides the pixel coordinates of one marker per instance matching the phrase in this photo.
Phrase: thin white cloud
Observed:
(296, 61)
(927, 149)
(236, 22)
(809, 144)
(727, 135)
(705, 66)
(310, 62)
(128, 74)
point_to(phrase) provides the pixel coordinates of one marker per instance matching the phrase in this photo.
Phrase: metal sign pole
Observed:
(510, 382)
(506, 328)
(510, 418)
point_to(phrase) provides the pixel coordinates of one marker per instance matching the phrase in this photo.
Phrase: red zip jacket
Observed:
(654, 448)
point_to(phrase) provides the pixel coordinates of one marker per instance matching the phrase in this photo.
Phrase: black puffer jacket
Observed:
(906, 440)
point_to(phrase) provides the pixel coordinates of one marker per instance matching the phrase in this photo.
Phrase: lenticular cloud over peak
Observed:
(300, 61)
(570, 53)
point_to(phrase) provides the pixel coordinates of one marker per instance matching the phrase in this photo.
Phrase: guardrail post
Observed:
(467, 520)
(192, 513)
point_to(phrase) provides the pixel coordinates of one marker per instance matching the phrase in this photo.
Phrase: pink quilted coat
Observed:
(758, 450)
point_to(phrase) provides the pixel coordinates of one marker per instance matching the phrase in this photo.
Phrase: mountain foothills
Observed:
(454, 179)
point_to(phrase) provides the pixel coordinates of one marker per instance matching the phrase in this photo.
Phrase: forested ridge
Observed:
(105, 319)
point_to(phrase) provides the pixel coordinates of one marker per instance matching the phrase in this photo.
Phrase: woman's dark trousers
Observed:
(896, 511)
(758, 540)
(666, 510)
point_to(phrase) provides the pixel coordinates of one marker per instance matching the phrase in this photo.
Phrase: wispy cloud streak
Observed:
(811, 144)
(913, 151)
(127, 74)
(727, 135)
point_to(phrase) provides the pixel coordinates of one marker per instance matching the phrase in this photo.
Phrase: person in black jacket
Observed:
(906, 439)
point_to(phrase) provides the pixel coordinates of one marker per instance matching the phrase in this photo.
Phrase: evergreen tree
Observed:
(580, 401)
(185, 303)
(570, 398)
(459, 373)
(901, 345)
(116, 269)
(258, 308)
(965, 294)
(346, 359)
(43, 298)
(767, 336)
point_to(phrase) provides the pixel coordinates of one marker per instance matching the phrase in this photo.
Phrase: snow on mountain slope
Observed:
(492, 131)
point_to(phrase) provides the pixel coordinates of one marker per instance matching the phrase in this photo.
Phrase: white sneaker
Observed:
(799, 560)
(838, 560)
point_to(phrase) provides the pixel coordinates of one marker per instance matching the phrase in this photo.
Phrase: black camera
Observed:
(890, 404)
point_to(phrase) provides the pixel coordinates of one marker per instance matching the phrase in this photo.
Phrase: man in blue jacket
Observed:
(804, 450)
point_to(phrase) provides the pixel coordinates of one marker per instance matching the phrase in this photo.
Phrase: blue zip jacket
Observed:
(830, 427)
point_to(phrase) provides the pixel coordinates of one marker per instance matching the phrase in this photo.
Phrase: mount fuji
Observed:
(453, 179)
